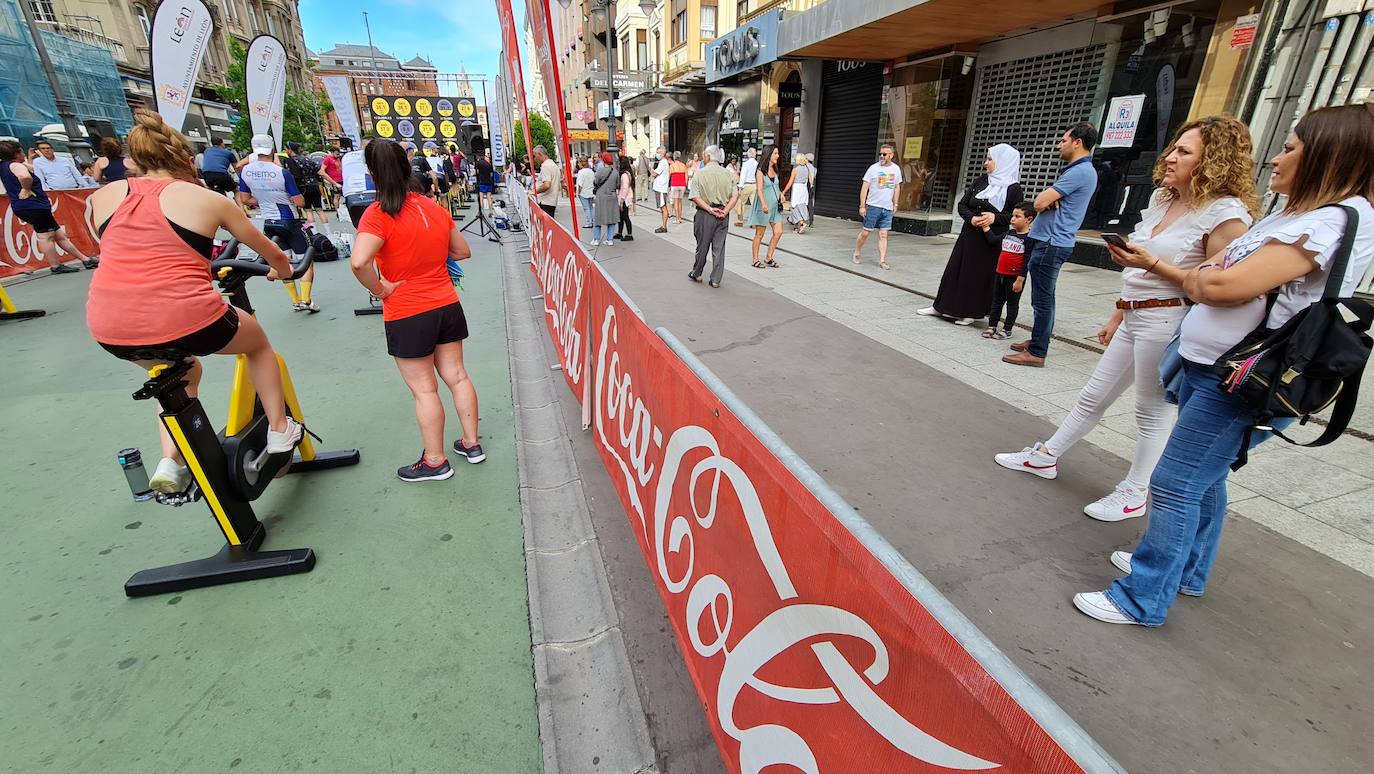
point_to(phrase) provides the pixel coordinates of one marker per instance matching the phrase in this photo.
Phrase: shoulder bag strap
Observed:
(1342, 258)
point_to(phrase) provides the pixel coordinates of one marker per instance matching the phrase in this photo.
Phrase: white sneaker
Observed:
(595, 243)
(1095, 604)
(1125, 502)
(1121, 560)
(928, 312)
(298, 307)
(280, 443)
(170, 478)
(310, 306)
(966, 320)
(1032, 459)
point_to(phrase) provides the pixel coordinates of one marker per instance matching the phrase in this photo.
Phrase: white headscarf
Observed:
(1006, 171)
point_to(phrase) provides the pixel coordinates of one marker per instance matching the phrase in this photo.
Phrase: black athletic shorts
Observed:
(206, 341)
(42, 220)
(418, 334)
(289, 230)
(313, 200)
(357, 204)
(219, 182)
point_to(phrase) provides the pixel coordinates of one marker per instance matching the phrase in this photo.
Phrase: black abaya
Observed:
(966, 287)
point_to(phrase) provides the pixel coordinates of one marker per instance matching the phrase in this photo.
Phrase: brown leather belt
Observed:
(1153, 303)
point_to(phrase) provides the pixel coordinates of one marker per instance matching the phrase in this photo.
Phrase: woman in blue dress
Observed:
(767, 210)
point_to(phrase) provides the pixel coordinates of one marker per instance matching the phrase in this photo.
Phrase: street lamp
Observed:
(605, 9)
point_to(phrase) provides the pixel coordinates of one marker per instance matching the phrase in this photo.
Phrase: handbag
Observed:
(1312, 362)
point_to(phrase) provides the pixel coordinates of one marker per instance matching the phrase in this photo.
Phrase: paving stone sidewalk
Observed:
(1321, 497)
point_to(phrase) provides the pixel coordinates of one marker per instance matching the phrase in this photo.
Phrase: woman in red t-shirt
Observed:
(410, 238)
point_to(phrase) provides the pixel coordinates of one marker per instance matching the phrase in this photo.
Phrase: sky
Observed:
(452, 35)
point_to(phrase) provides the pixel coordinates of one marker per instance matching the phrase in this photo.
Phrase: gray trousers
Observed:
(710, 232)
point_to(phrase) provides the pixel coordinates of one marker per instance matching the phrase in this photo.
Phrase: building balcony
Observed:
(115, 47)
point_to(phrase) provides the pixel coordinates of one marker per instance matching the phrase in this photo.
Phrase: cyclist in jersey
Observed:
(215, 165)
(274, 191)
(154, 291)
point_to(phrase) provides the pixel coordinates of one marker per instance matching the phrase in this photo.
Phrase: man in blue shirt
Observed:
(216, 161)
(265, 184)
(1061, 208)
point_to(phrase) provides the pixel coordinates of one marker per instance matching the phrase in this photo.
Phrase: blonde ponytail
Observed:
(156, 147)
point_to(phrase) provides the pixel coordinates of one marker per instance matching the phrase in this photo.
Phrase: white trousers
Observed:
(1132, 356)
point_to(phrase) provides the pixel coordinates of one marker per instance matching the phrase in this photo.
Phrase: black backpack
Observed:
(325, 251)
(304, 169)
(1312, 361)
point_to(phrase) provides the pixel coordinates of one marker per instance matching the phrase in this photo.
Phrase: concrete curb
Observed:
(591, 717)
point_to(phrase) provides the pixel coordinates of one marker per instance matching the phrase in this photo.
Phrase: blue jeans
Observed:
(1042, 264)
(1187, 499)
(585, 204)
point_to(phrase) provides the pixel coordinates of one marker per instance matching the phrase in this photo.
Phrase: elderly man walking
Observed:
(714, 193)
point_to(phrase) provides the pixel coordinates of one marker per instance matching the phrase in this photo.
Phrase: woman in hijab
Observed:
(966, 288)
(605, 206)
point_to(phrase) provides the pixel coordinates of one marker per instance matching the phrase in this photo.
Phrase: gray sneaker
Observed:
(472, 453)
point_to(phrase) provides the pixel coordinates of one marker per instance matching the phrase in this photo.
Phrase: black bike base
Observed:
(367, 310)
(231, 565)
(325, 461)
(23, 314)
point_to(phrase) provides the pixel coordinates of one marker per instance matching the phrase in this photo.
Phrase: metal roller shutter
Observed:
(851, 104)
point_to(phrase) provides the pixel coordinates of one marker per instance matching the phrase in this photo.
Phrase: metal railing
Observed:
(115, 47)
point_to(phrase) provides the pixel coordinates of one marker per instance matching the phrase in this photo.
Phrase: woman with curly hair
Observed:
(1205, 200)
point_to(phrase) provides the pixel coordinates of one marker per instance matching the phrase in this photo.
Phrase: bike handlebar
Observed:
(228, 259)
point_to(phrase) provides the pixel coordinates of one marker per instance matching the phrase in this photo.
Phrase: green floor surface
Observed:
(407, 649)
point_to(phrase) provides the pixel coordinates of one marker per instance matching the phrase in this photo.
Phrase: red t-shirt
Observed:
(1013, 254)
(414, 249)
(333, 168)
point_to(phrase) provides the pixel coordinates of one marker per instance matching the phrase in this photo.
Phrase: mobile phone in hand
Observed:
(1115, 240)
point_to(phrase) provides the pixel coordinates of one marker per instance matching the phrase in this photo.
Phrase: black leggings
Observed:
(626, 228)
(1002, 294)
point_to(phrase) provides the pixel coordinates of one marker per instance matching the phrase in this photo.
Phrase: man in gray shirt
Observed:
(713, 192)
(54, 171)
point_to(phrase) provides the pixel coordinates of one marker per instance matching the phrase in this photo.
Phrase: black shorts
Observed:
(311, 194)
(41, 220)
(418, 334)
(290, 231)
(219, 182)
(206, 341)
(357, 204)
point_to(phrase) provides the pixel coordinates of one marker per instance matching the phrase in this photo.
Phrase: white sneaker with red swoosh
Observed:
(1032, 459)
(1125, 502)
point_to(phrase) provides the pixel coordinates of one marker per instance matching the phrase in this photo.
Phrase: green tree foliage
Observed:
(541, 132)
(304, 111)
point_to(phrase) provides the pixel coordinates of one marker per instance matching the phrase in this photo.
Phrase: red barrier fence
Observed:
(805, 648)
(19, 253)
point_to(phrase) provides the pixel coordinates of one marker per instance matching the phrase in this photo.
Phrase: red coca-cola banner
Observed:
(562, 265)
(20, 254)
(805, 649)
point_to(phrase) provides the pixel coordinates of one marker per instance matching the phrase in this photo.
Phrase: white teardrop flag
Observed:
(180, 34)
(265, 75)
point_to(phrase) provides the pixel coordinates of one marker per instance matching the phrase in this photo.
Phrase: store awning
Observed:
(667, 102)
(885, 30)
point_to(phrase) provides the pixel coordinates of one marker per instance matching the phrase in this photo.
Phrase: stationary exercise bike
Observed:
(231, 468)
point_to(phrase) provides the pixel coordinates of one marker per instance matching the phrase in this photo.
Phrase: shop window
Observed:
(924, 119)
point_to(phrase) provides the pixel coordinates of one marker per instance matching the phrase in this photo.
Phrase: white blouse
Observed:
(1209, 331)
(1181, 243)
